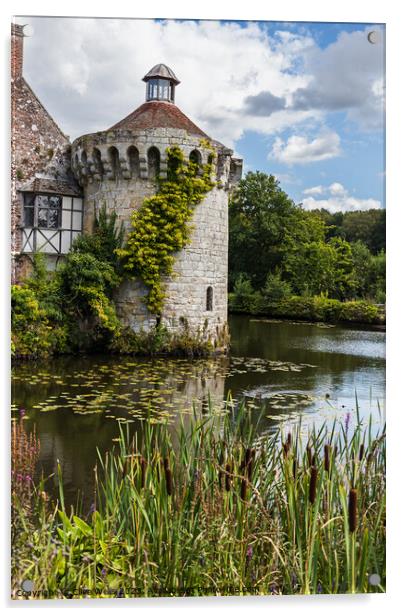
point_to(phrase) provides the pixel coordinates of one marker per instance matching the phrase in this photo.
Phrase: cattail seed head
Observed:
(143, 471)
(168, 477)
(361, 452)
(309, 455)
(285, 449)
(243, 490)
(327, 457)
(289, 439)
(313, 484)
(228, 480)
(169, 481)
(250, 464)
(352, 510)
(126, 467)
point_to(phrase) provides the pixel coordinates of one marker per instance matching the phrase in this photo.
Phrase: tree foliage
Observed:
(272, 236)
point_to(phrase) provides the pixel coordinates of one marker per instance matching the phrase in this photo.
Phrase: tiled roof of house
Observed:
(53, 186)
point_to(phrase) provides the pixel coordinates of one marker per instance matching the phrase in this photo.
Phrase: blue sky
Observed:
(361, 164)
(303, 101)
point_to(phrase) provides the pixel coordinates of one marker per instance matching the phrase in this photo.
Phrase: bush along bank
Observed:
(315, 308)
(73, 312)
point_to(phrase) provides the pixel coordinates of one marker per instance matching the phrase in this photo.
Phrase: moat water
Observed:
(294, 371)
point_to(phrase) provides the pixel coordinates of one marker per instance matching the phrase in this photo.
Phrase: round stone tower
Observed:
(117, 168)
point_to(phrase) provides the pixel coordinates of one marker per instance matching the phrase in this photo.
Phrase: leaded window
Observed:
(50, 223)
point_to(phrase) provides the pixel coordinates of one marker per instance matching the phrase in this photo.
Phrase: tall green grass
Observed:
(215, 508)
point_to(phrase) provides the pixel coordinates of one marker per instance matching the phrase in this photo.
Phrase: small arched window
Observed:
(210, 298)
(113, 154)
(133, 161)
(173, 165)
(195, 158)
(154, 159)
(97, 158)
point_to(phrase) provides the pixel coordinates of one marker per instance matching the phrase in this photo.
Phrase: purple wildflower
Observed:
(347, 422)
(22, 412)
(249, 552)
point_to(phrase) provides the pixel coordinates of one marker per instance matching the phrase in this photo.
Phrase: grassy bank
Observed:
(307, 308)
(211, 509)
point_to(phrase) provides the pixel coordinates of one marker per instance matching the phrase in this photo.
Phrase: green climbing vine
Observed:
(161, 226)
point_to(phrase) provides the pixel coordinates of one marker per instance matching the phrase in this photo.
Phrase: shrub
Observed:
(359, 312)
(317, 308)
(105, 240)
(244, 298)
(275, 289)
(30, 327)
(86, 286)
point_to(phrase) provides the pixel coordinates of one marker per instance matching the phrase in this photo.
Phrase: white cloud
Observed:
(234, 78)
(314, 190)
(88, 72)
(338, 200)
(348, 75)
(299, 150)
(337, 189)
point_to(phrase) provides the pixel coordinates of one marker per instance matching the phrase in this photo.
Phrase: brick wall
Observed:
(36, 140)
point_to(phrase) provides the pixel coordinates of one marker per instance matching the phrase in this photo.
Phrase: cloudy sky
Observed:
(303, 101)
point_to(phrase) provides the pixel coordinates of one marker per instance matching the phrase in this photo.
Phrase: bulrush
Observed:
(250, 464)
(352, 510)
(220, 474)
(168, 477)
(243, 489)
(143, 471)
(285, 449)
(313, 484)
(361, 452)
(228, 479)
(309, 455)
(289, 439)
(126, 467)
(327, 457)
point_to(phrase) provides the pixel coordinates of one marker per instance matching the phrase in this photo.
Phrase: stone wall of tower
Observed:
(202, 264)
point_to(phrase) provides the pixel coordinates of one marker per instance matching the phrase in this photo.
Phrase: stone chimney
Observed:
(17, 50)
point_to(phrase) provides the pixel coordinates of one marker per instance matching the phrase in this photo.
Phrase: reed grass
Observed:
(218, 509)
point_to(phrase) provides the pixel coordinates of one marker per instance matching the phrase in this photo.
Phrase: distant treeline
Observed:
(280, 250)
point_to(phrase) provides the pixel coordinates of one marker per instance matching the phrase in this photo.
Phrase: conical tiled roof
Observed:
(159, 114)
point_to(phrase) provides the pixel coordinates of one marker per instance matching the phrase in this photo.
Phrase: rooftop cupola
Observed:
(161, 82)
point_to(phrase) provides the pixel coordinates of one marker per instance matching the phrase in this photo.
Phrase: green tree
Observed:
(265, 227)
(275, 288)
